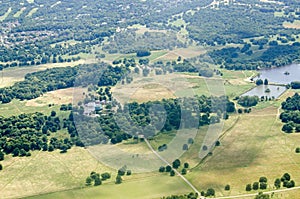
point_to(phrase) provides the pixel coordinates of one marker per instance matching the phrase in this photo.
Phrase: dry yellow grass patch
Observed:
(294, 25)
(62, 96)
(144, 89)
(151, 92)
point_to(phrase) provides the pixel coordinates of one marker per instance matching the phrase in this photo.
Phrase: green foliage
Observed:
(248, 187)
(97, 181)
(255, 186)
(227, 187)
(232, 58)
(1, 167)
(168, 168)
(162, 169)
(263, 179)
(183, 171)
(105, 176)
(88, 181)
(118, 179)
(186, 196)
(261, 195)
(210, 192)
(277, 183)
(20, 134)
(1, 156)
(259, 82)
(295, 85)
(186, 165)
(172, 173)
(291, 114)
(143, 53)
(138, 43)
(176, 164)
(248, 101)
(128, 172)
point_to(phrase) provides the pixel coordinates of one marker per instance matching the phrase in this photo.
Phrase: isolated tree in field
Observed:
(297, 150)
(128, 172)
(183, 171)
(185, 147)
(191, 141)
(266, 82)
(1, 167)
(248, 187)
(227, 187)
(119, 179)
(186, 165)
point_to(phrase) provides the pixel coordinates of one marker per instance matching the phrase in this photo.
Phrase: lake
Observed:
(276, 75)
(275, 91)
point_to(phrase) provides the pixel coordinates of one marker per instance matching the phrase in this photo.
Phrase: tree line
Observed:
(291, 114)
(34, 131)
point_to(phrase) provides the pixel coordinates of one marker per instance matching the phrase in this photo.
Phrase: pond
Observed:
(281, 75)
(273, 91)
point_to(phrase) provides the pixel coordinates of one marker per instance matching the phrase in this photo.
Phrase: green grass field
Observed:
(254, 147)
(45, 172)
(153, 187)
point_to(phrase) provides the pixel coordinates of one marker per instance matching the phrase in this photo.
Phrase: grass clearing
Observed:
(141, 29)
(45, 172)
(146, 188)
(294, 25)
(253, 147)
(17, 107)
(172, 85)
(57, 97)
